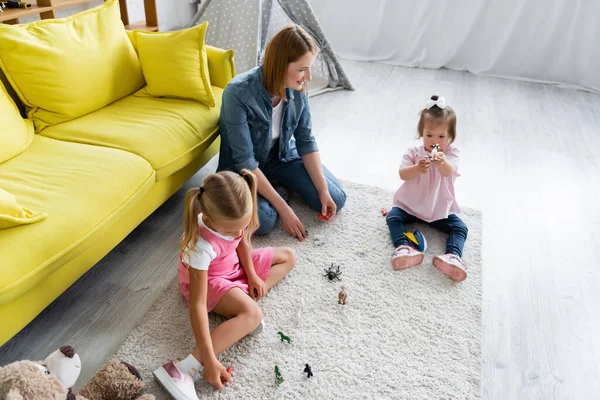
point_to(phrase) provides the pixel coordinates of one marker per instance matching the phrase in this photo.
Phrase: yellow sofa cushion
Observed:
(175, 64)
(13, 214)
(221, 66)
(168, 133)
(16, 133)
(82, 188)
(64, 68)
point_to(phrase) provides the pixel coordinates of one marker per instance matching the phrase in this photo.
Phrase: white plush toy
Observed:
(65, 364)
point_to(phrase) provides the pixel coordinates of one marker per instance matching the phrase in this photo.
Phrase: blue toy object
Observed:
(417, 240)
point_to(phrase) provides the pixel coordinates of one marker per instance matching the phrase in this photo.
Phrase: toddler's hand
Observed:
(424, 165)
(215, 374)
(257, 287)
(439, 156)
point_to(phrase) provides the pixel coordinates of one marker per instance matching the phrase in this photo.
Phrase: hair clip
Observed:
(440, 102)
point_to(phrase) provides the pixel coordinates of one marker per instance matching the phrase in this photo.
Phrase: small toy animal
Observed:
(342, 295)
(333, 272)
(278, 378)
(324, 217)
(229, 372)
(283, 337)
(308, 371)
(434, 156)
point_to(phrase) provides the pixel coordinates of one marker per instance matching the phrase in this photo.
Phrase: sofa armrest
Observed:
(220, 66)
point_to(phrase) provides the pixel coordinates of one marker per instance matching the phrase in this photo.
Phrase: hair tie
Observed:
(202, 190)
(440, 102)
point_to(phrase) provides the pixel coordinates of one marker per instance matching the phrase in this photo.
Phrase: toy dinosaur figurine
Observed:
(278, 378)
(342, 295)
(283, 337)
(308, 371)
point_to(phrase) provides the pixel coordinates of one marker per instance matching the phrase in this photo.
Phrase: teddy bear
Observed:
(52, 379)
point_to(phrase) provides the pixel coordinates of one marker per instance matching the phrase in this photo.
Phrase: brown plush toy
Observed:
(24, 380)
(48, 380)
(116, 380)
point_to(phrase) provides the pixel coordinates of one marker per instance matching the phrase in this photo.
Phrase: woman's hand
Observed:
(256, 287)
(328, 206)
(215, 374)
(292, 224)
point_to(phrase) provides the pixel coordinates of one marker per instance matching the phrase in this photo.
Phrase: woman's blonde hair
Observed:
(223, 195)
(438, 116)
(287, 46)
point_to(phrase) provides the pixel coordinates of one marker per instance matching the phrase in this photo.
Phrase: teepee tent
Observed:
(246, 26)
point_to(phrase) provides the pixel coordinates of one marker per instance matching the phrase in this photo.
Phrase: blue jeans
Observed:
(453, 226)
(293, 175)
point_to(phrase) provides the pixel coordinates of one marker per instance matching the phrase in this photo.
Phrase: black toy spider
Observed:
(333, 272)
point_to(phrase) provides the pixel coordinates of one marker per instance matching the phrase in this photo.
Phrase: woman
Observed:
(266, 127)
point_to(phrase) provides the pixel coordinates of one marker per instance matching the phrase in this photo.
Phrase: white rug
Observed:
(412, 334)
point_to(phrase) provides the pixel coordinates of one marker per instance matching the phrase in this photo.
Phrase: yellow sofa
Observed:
(95, 178)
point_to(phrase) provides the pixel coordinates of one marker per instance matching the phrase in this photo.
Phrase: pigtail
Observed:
(252, 182)
(190, 219)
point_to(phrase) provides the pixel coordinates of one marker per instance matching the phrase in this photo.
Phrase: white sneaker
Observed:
(177, 384)
(259, 328)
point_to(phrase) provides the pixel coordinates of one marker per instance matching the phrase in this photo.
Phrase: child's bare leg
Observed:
(284, 260)
(243, 315)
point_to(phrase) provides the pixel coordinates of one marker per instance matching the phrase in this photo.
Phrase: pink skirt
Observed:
(219, 285)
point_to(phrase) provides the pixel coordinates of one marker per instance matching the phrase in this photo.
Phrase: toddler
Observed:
(427, 194)
(218, 271)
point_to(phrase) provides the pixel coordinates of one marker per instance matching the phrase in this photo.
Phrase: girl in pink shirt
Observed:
(220, 272)
(427, 194)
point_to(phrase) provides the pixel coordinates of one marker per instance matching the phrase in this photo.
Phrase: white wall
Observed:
(172, 14)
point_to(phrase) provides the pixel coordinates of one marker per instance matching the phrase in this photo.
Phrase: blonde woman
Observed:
(220, 272)
(265, 127)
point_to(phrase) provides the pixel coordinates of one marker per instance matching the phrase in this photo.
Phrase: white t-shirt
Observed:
(276, 125)
(203, 254)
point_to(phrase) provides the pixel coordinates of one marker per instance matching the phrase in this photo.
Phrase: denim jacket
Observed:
(245, 124)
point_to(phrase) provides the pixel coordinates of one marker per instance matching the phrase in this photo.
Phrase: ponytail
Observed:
(190, 219)
(252, 182)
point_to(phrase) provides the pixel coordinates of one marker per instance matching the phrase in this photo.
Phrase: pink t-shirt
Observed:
(429, 196)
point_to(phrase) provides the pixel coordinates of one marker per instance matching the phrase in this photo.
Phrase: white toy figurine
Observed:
(434, 156)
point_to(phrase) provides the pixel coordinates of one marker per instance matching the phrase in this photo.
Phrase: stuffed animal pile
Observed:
(53, 378)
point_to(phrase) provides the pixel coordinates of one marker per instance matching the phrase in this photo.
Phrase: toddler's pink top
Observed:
(429, 196)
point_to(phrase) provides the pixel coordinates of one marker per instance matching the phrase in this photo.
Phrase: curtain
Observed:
(554, 41)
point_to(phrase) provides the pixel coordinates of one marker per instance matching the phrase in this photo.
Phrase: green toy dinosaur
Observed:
(278, 378)
(283, 337)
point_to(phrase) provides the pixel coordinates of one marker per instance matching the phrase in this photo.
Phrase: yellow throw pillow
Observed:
(65, 68)
(12, 214)
(175, 64)
(16, 133)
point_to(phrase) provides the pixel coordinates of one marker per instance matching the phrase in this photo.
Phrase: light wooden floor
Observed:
(530, 161)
